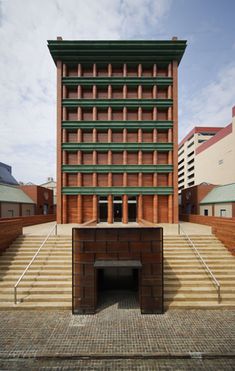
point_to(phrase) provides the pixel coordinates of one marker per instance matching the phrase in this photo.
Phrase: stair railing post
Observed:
(15, 295)
(179, 228)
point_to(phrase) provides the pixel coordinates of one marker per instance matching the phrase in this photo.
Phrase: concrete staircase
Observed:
(187, 285)
(48, 282)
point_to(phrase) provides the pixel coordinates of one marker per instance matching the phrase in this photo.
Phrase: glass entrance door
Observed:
(132, 210)
(117, 209)
(103, 209)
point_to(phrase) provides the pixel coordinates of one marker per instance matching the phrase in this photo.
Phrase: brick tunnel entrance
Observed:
(118, 279)
(117, 259)
(115, 281)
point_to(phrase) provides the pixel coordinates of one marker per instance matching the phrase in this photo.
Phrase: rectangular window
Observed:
(223, 212)
(206, 212)
(11, 212)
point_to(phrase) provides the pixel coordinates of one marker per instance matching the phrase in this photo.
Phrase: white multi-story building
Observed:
(187, 153)
(215, 159)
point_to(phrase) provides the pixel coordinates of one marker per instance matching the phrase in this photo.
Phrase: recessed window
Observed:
(11, 212)
(206, 212)
(222, 212)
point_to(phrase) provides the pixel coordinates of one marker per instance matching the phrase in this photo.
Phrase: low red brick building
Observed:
(192, 196)
(42, 197)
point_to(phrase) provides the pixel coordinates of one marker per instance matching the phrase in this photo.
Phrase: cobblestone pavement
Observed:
(198, 339)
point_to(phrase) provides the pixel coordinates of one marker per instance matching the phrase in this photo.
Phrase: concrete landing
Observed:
(168, 229)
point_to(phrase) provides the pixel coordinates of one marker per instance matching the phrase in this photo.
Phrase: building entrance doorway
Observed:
(117, 209)
(103, 209)
(132, 209)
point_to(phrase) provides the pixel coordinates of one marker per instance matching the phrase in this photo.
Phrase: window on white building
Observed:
(222, 212)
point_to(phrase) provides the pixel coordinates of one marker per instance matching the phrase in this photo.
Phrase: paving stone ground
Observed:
(57, 340)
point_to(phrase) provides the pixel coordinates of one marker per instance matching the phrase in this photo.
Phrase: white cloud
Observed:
(212, 105)
(27, 72)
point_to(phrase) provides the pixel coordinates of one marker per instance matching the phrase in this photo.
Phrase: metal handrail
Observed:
(32, 260)
(215, 281)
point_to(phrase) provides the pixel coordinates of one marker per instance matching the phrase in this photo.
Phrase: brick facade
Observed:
(117, 130)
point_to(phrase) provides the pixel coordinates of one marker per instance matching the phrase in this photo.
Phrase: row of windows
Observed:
(103, 180)
(88, 114)
(117, 70)
(115, 92)
(116, 136)
(117, 158)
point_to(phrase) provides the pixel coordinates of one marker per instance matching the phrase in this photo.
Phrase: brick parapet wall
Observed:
(222, 228)
(33, 219)
(9, 231)
(11, 228)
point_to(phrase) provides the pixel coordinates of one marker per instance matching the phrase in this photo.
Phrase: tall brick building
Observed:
(117, 130)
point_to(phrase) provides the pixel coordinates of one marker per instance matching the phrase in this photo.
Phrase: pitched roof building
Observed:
(14, 202)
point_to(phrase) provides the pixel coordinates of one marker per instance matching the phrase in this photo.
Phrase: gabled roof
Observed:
(221, 194)
(13, 194)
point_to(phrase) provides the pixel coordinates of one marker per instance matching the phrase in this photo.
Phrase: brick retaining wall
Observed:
(223, 228)
(9, 231)
(11, 228)
(33, 219)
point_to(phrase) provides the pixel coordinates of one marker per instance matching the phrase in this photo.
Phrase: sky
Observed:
(28, 74)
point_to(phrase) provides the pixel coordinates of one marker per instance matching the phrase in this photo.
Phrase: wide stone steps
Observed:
(34, 297)
(195, 277)
(48, 283)
(187, 284)
(40, 263)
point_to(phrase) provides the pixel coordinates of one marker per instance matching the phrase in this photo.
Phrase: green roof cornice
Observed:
(117, 51)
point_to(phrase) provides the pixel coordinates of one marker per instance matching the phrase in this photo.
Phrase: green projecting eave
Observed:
(119, 103)
(219, 195)
(117, 190)
(117, 81)
(117, 51)
(117, 124)
(117, 168)
(117, 146)
(14, 194)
